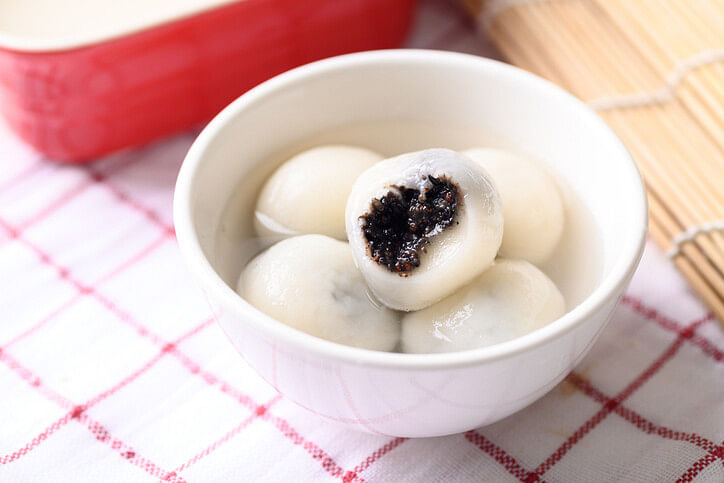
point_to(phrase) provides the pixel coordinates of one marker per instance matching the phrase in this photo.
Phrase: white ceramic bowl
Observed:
(392, 393)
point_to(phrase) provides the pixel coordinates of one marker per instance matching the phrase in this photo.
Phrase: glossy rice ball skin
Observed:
(310, 282)
(307, 194)
(532, 205)
(510, 299)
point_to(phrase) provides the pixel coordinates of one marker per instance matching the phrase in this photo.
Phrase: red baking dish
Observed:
(77, 99)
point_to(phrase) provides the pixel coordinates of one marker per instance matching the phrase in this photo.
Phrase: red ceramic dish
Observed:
(77, 103)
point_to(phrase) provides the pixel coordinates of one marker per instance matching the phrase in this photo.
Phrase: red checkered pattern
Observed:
(112, 369)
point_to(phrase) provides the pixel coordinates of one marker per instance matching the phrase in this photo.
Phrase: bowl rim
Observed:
(217, 289)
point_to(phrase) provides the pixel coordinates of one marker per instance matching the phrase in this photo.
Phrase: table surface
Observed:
(112, 369)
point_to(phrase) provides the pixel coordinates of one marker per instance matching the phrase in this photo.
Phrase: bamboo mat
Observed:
(654, 70)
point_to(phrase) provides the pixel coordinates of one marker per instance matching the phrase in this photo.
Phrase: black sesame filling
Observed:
(400, 224)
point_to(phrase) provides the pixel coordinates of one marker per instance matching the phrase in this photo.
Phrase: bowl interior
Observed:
(397, 101)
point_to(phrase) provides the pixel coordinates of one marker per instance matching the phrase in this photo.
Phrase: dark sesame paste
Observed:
(400, 224)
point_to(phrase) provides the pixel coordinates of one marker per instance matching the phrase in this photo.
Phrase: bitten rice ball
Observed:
(423, 224)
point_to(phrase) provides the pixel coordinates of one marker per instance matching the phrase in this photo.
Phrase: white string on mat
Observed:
(666, 93)
(691, 233)
(493, 8)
